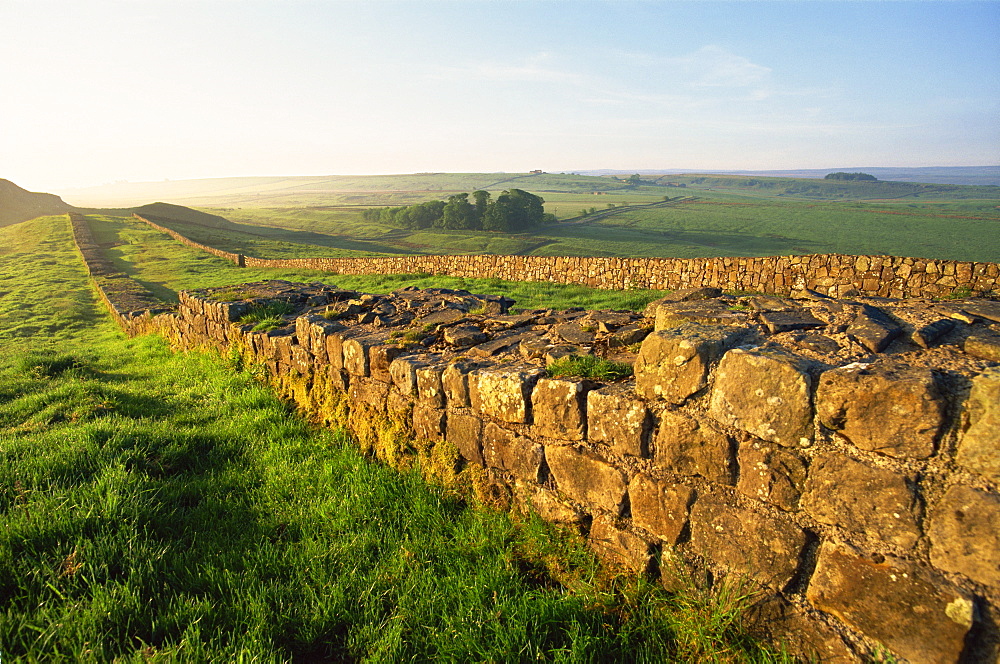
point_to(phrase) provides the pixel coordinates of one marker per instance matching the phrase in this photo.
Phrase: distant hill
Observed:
(967, 175)
(17, 205)
(305, 191)
(826, 189)
(168, 211)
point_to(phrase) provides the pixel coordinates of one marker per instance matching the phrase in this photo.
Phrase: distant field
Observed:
(165, 266)
(707, 215)
(710, 224)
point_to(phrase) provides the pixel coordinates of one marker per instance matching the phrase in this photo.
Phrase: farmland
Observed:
(678, 216)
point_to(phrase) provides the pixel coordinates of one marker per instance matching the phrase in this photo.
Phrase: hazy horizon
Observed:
(110, 91)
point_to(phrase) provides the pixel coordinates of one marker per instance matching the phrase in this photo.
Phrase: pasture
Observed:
(167, 507)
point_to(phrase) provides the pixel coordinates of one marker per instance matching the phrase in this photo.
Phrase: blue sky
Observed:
(94, 92)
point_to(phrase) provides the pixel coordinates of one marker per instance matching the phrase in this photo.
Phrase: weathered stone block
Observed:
(689, 447)
(681, 295)
(559, 408)
(403, 371)
(771, 474)
(380, 356)
(399, 407)
(979, 446)
(282, 348)
(619, 546)
(301, 360)
(587, 478)
(900, 607)
(764, 548)
(335, 349)
(455, 381)
(506, 450)
(429, 386)
(896, 412)
(504, 393)
(927, 335)
(786, 321)
(618, 420)
(550, 506)
(355, 352)
(965, 534)
(779, 621)
(465, 432)
(709, 312)
(660, 507)
(872, 327)
(674, 364)
(766, 393)
(984, 344)
(876, 501)
(463, 336)
(428, 422)
(372, 393)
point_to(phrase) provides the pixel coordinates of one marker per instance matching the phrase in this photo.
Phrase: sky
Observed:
(95, 91)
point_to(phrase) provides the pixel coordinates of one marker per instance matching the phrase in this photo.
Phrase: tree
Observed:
(482, 199)
(864, 177)
(458, 213)
(519, 210)
(425, 215)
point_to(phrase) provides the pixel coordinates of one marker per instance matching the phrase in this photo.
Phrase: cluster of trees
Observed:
(512, 211)
(851, 176)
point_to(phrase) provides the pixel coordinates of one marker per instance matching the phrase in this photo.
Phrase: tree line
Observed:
(856, 177)
(514, 210)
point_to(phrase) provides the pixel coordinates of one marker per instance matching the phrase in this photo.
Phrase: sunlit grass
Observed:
(169, 506)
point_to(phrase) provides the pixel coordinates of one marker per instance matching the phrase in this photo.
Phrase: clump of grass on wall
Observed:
(269, 316)
(588, 366)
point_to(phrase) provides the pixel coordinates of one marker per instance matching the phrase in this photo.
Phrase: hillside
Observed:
(812, 188)
(17, 204)
(298, 191)
(977, 175)
(365, 190)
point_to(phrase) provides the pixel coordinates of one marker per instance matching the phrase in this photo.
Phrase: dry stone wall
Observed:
(830, 274)
(124, 297)
(228, 255)
(843, 456)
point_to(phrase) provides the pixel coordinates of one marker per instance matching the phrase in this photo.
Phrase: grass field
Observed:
(706, 216)
(165, 266)
(710, 224)
(162, 507)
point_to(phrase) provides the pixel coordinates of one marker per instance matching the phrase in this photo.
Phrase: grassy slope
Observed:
(17, 204)
(168, 505)
(165, 266)
(712, 224)
(721, 216)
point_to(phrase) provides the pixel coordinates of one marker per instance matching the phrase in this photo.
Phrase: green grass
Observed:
(267, 317)
(724, 216)
(165, 266)
(589, 366)
(167, 506)
(713, 223)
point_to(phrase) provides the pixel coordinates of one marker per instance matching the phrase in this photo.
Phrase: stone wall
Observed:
(228, 255)
(125, 297)
(830, 274)
(841, 456)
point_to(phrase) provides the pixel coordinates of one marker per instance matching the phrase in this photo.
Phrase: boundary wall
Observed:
(831, 274)
(862, 502)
